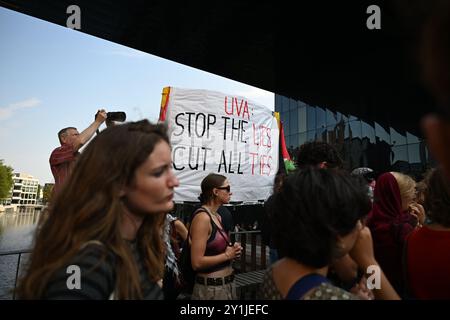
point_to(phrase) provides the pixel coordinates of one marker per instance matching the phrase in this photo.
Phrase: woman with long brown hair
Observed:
(102, 237)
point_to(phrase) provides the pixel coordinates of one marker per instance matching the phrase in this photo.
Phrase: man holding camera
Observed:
(63, 158)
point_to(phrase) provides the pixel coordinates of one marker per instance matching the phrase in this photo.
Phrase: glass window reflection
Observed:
(332, 134)
(414, 153)
(410, 138)
(302, 138)
(331, 118)
(362, 142)
(311, 117)
(311, 135)
(400, 153)
(277, 102)
(368, 131)
(302, 121)
(321, 134)
(287, 140)
(320, 118)
(400, 159)
(284, 104)
(397, 139)
(354, 128)
(285, 119)
(293, 121)
(294, 140)
(382, 134)
(341, 117)
(292, 104)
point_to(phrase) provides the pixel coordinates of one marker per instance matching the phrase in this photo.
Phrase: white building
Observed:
(24, 190)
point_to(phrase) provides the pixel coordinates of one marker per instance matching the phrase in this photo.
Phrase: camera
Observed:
(118, 116)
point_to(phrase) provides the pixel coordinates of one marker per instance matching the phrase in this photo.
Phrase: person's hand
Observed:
(233, 252)
(360, 290)
(238, 248)
(101, 116)
(417, 211)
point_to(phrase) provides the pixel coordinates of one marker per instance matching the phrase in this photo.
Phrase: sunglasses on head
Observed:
(228, 188)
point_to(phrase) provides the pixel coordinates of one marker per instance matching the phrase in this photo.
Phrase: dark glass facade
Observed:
(361, 142)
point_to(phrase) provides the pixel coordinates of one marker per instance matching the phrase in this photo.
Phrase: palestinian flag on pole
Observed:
(164, 102)
(288, 163)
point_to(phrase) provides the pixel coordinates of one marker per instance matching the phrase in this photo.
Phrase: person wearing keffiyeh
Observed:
(173, 230)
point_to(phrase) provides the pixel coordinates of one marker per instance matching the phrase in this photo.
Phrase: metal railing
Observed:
(255, 258)
(19, 253)
(252, 262)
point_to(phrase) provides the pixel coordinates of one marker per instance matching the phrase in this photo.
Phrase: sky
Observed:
(53, 77)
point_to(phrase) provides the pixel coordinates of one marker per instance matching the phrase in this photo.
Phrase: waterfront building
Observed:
(24, 190)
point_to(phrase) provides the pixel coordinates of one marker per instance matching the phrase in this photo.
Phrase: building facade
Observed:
(361, 142)
(24, 190)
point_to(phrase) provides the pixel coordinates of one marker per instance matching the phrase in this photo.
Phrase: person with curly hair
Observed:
(311, 231)
(318, 153)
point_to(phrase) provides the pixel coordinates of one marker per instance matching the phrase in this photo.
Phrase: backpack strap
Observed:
(198, 210)
(305, 284)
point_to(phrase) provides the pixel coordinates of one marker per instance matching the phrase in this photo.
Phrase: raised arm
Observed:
(87, 133)
(362, 253)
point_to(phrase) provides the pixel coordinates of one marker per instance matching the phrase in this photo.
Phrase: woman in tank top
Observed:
(211, 249)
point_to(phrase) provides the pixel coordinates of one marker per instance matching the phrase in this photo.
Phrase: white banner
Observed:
(225, 134)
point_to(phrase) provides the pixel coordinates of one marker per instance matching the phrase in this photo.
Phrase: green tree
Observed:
(6, 180)
(47, 192)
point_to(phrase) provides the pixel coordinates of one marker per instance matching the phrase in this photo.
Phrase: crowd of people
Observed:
(107, 233)
(325, 227)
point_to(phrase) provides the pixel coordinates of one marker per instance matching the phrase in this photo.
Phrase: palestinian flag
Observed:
(289, 165)
(164, 103)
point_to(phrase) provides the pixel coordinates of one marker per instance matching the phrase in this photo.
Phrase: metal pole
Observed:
(17, 275)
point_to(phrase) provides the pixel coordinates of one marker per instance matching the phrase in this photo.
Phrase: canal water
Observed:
(16, 233)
